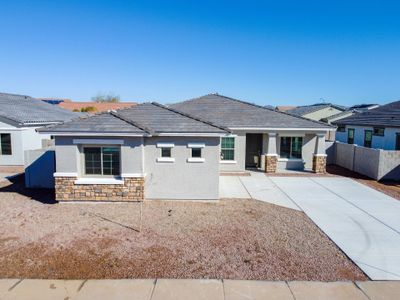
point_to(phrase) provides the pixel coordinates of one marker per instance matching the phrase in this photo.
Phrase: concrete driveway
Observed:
(363, 222)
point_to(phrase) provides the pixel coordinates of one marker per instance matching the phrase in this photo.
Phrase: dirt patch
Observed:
(232, 239)
(391, 188)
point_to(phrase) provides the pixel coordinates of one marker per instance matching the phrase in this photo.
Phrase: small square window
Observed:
(341, 128)
(379, 131)
(196, 152)
(165, 152)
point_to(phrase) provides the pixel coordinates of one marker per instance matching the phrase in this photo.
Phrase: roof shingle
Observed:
(233, 113)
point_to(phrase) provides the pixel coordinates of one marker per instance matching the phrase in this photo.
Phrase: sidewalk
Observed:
(186, 289)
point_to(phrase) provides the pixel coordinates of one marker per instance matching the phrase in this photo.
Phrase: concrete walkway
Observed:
(363, 222)
(185, 289)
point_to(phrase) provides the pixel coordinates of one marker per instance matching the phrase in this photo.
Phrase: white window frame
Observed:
(192, 159)
(228, 161)
(83, 166)
(165, 159)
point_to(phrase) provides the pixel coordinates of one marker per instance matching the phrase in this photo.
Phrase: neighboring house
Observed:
(261, 137)
(319, 112)
(146, 151)
(89, 107)
(19, 117)
(356, 109)
(377, 128)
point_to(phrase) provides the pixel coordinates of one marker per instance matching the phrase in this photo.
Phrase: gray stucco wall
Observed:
(181, 179)
(240, 155)
(22, 139)
(164, 180)
(68, 155)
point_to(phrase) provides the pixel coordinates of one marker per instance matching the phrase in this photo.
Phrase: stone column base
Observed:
(319, 163)
(271, 162)
(131, 190)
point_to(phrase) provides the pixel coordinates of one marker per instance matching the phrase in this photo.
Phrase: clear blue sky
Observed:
(268, 52)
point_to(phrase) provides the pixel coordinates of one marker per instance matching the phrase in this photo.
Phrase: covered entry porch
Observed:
(285, 150)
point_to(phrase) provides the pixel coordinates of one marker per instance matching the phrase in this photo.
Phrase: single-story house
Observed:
(20, 115)
(146, 151)
(377, 128)
(261, 137)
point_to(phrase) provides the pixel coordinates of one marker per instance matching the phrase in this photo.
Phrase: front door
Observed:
(253, 150)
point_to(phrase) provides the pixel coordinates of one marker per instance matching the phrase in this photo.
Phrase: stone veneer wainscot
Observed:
(319, 164)
(131, 190)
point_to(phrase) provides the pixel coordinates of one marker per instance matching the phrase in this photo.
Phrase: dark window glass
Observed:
(350, 136)
(92, 161)
(227, 148)
(196, 152)
(398, 141)
(297, 143)
(165, 152)
(291, 147)
(102, 160)
(5, 146)
(379, 131)
(367, 138)
(285, 147)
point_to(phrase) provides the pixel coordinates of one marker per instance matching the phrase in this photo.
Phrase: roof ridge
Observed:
(190, 116)
(263, 107)
(11, 94)
(141, 127)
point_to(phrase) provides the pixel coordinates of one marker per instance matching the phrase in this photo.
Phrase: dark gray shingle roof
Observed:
(387, 115)
(26, 110)
(303, 110)
(233, 113)
(102, 123)
(147, 118)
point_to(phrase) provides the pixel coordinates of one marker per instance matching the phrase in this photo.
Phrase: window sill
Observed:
(99, 181)
(290, 159)
(227, 162)
(196, 160)
(166, 159)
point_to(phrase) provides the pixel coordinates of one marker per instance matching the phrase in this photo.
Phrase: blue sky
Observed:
(268, 52)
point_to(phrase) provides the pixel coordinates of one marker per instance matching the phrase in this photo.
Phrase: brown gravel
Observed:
(231, 239)
(391, 188)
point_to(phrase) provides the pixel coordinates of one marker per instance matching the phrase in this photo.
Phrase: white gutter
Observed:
(281, 129)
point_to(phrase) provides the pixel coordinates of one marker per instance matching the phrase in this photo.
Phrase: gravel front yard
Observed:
(232, 239)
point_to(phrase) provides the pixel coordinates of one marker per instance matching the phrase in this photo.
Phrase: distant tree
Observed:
(111, 98)
(88, 109)
(76, 110)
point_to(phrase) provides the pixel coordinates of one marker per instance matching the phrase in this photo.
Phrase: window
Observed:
(196, 152)
(102, 160)
(5, 146)
(227, 148)
(398, 141)
(379, 131)
(165, 152)
(341, 128)
(350, 136)
(367, 138)
(291, 147)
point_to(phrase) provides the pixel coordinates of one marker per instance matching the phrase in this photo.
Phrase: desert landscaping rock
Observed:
(326, 291)
(183, 289)
(116, 289)
(256, 290)
(230, 239)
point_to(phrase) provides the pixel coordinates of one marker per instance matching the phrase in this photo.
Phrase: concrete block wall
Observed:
(374, 163)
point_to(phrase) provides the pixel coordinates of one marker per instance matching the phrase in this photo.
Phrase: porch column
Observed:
(271, 157)
(319, 158)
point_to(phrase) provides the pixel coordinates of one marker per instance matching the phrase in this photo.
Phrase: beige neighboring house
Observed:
(319, 112)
